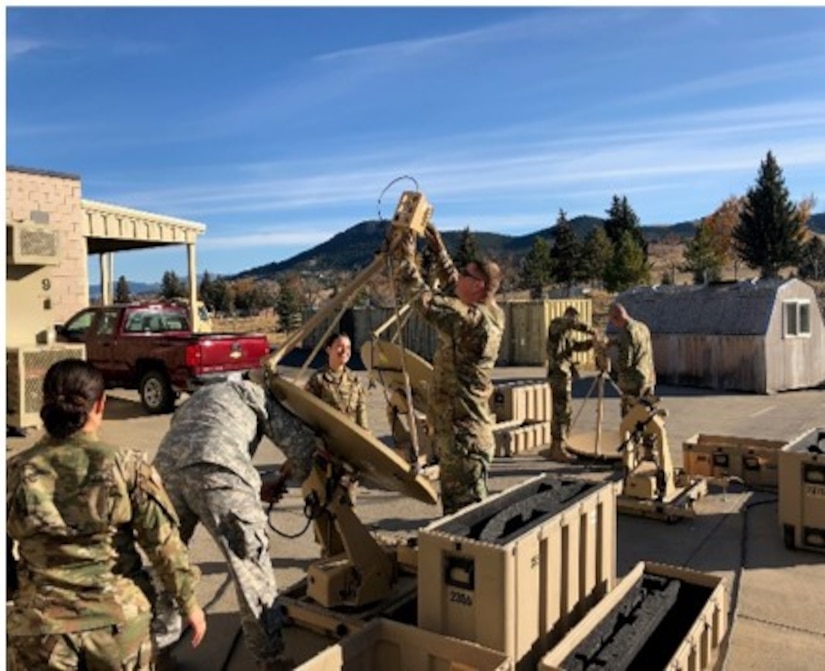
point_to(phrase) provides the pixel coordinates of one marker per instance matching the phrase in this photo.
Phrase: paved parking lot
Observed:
(777, 596)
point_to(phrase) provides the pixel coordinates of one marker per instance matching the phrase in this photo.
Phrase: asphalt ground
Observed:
(776, 596)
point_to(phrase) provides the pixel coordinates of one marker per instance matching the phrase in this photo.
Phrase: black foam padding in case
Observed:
(518, 511)
(644, 630)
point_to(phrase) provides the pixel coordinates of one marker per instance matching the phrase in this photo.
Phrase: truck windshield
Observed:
(156, 321)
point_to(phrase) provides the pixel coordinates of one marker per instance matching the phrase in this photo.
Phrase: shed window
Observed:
(797, 318)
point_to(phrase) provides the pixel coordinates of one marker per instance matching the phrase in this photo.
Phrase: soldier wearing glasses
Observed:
(470, 325)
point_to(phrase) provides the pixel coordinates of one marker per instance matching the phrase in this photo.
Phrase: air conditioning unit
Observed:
(25, 369)
(32, 245)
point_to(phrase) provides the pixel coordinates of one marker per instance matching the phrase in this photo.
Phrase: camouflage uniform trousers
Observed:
(561, 390)
(230, 509)
(126, 647)
(466, 450)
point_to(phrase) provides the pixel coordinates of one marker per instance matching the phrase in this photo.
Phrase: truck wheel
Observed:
(156, 393)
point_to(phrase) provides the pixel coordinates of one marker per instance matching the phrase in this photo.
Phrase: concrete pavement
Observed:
(777, 596)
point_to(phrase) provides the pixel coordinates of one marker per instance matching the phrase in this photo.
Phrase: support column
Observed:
(112, 292)
(194, 318)
(105, 283)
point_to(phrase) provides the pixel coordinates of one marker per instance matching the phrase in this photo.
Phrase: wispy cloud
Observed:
(734, 79)
(304, 238)
(20, 46)
(595, 159)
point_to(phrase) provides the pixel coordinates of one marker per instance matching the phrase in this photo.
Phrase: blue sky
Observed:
(278, 127)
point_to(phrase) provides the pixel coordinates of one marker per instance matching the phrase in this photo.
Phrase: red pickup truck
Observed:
(151, 347)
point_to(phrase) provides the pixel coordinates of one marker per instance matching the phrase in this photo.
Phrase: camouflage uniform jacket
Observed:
(561, 345)
(469, 338)
(223, 424)
(635, 358)
(76, 508)
(343, 391)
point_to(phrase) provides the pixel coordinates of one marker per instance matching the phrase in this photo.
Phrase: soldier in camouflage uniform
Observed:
(470, 325)
(561, 371)
(635, 374)
(77, 508)
(337, 385)
(206, 462)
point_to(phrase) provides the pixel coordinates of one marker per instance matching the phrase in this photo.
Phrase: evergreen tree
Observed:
(566, 253)
(597, 254)
(171, 286)
(702, 257)
(620, 219)
(122, 292)
(468, 251)
(812, 263)
(771, 229)
(628, 267)
(288, 305)
(206, 290)
(537, 268)
(221, 296)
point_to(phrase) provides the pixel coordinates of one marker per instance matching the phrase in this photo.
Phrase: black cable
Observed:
(283, 534)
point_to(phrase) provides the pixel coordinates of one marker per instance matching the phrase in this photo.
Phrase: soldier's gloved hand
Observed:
(274, 488)
(434, 239)
(403, 244)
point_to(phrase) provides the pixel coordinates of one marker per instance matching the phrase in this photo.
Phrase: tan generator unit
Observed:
(25, 369)
(516, 571)
(659, 617)
(522, 400)
(384, 645)
(802, 491)
(752, 460)
(515, 437)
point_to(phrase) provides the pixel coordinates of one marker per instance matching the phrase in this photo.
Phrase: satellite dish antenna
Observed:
(354, 569)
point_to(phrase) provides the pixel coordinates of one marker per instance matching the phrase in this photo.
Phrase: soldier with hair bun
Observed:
(78, 508)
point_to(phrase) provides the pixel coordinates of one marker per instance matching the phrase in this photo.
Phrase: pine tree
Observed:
(812, 262)
(771, 229)
(537, 268)
(702, 257)
(468, 251)
(171, 286)
(628, 266)
(566, 253)
(122, 292)
(597, 254)
(621, 218)
(206, 290)
(288, 304)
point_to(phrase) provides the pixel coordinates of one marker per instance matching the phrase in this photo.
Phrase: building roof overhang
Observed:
(111, 228)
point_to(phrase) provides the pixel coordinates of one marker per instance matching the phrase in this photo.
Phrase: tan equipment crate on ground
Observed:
(384, 645)
(688, 638)
(752, 461)
(802, 491)
(516, 571)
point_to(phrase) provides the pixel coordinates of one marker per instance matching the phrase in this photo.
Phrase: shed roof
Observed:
(725, 308)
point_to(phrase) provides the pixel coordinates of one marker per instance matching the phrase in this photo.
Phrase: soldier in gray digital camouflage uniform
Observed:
(337, 385)
(206, 462)
(635, 374)
(77, 508)
(560, 372)
(470, 325)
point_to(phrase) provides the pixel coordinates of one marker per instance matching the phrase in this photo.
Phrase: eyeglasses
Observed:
(467, 273)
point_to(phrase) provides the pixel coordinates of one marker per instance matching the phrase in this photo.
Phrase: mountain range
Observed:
(353, 248)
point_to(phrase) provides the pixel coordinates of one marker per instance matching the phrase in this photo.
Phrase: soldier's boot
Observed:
(556, 452)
